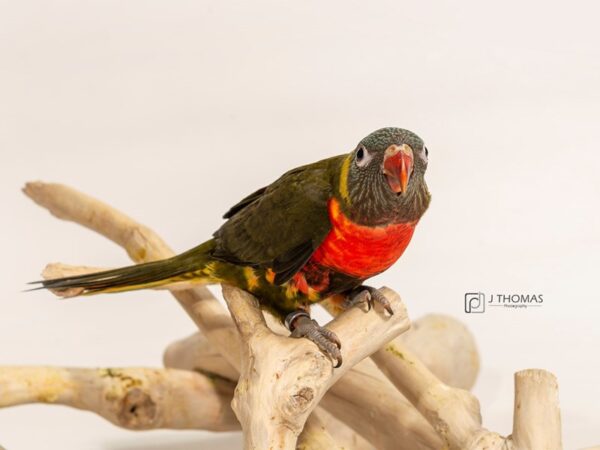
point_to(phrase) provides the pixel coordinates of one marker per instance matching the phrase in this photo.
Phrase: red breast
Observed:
(359, 250)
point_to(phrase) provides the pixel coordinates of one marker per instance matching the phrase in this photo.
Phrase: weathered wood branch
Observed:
(365, 389)
(441, 342)
(455, 414)
(537, 421)
(282, 379)
(446, 345)
(134, 398)
(321, 422)
(142, 245)
(392, 421)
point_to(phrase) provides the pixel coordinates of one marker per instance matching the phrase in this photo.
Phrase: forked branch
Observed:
(282, 379)
(265, 360)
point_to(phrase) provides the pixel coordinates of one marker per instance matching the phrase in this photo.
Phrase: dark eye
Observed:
(363, 157)
(360, 154)
(424, 154)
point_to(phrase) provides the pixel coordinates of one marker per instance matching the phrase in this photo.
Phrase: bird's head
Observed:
(383, 179)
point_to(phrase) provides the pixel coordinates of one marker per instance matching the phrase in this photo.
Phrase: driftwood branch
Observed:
(282, 379)
(196, 353)
(393, 422)
(455, 415)
(134, 398)
(362, 390)
(537, 414)
(322, 428)
(417, 404)
(142, 245)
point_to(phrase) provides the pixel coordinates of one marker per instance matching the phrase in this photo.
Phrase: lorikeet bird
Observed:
(319, 230)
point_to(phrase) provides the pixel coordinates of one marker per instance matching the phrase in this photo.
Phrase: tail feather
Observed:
(140, 276)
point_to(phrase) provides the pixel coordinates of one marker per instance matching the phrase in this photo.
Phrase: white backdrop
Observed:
(172, 111)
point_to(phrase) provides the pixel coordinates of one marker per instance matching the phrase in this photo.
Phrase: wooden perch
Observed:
(282, 379)
(365, 389)
(441, 342)
(134, 398)
(394, 423)
(446, 347)
(378, 412)
(537, 414)
(344, 438)
(196, 353)
(455, 415)
(316, 437)
(362, 390)
(143, 245)
(416, 405)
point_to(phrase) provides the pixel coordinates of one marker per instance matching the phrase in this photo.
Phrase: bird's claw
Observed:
(358, 297)
(302, 325)
(368, 295)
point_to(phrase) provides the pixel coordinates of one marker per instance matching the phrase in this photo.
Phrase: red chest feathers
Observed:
(360, 250)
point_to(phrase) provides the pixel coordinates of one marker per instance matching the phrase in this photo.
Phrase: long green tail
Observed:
(187, 266)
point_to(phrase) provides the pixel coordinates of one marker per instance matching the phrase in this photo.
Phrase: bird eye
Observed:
(424, 154)
(363, 157)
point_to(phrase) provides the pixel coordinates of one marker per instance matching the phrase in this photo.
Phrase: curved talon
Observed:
(331, 336)
(378, 297)
(368, 295)
(339, 362)
(302, 325)
(358, 297)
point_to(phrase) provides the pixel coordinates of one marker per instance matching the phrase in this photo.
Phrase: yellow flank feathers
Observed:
(251, 278)
(291, 290)
(343, 187)
(313, 295)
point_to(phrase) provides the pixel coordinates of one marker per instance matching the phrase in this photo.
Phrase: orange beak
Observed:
(398, 167)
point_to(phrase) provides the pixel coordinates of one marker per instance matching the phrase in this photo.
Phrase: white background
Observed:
(172, 111)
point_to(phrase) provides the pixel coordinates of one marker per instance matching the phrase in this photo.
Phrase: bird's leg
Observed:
(369, 295)
(301, 325)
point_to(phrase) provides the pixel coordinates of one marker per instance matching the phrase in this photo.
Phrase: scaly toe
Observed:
(368, 295)
(378, 297)
(331, 336)
(358, 297)
(325, 339)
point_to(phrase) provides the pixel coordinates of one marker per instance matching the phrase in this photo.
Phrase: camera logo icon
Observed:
(474, 302)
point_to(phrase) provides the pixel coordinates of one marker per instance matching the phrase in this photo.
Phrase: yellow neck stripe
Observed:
(343, 187)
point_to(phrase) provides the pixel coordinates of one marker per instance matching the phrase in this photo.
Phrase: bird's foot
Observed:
(301, 325)
(368, 295)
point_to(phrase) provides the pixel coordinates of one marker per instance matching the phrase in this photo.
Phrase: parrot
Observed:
(319, 230)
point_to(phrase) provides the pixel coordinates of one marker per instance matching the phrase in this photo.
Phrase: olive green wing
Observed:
(244, 202)
(280, 226)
